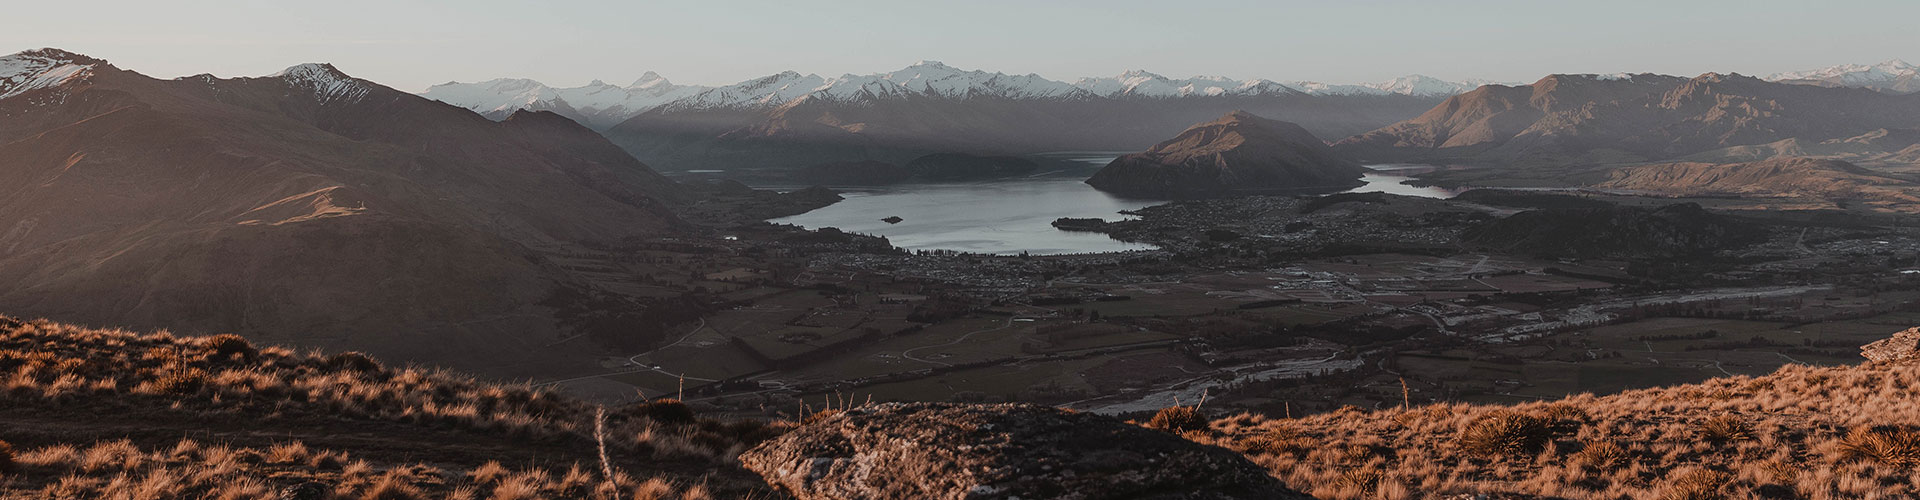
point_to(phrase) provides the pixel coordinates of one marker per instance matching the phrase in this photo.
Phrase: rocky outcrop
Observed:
(1901, 346)
(951, 451)
(1236, 154)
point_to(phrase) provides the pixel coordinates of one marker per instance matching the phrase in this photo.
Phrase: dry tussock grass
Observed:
(191, 470)
(181, 379)
(1800, 432)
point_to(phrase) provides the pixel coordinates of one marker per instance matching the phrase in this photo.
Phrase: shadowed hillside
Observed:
(308, 206)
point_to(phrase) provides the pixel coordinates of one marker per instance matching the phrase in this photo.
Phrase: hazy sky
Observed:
(410, 45)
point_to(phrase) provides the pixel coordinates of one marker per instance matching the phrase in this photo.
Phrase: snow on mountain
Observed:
(1140, 83)
(1426, 86)
(934, 78)
(1143, 84)
(1893, 74)
(38, 69)
(767, 91)
(601, 105)
(1318, 88)
(503, 95)
(327, 83)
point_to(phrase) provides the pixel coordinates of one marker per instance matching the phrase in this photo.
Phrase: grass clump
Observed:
(1506, 434)
(1694, 484)
(1602, 455)
(1178, 419)
(1724, 429)
(227, 346)
(1897, 446)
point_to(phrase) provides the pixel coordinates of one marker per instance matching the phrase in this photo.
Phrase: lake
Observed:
(1010, 216)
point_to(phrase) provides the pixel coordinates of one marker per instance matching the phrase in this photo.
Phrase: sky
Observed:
(413, 44)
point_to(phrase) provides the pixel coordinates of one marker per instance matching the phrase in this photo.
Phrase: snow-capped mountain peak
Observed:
(598, 104)
(1894, 75)
(326, 82)
(650, 80)
(1144, 84)
(601, 106)
(38, 69)
(1426, 86)
(1859, 72)
(934, 78)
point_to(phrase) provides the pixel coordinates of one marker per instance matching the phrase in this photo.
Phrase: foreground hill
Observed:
(1800, 432)
(308, 206)
(1237, 153)
(1630, 118)
(112, 414)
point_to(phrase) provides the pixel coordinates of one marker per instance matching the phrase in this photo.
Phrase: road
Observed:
(643, 367)
(963, 338)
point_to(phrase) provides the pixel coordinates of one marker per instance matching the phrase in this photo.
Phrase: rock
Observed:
(1003, 451)
(1901, 346)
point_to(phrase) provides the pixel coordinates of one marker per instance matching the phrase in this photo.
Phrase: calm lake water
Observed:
(1011, 216)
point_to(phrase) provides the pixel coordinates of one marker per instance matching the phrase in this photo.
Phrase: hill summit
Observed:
(1236, 154)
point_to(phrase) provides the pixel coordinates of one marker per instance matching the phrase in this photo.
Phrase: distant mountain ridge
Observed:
(1894, 75)
(1600, 119)
(597, 105)
(600, 105)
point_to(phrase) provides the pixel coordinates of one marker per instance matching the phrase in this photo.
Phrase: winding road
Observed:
(963, 338)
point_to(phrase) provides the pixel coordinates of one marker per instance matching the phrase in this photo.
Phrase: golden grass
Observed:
(183, 380)
(1800, 432)
(191, 470)
(1178, 419)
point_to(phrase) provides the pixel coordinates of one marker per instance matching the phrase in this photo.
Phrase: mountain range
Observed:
(786, 121)
(770, 126)
(601, 105)
(1621, 119)
(307, 207)
(1894, 75)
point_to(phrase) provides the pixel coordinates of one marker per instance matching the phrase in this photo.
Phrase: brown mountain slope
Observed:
(1779, 177)
(1601, 119)
(1237, 153)
(310, 206)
